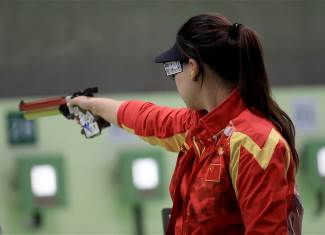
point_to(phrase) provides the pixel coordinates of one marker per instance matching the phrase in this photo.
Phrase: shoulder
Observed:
(258, 136)
(249, 125)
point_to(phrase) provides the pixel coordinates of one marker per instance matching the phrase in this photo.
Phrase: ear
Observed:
(194, 69)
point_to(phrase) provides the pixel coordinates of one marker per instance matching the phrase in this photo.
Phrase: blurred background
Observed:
(54, 181)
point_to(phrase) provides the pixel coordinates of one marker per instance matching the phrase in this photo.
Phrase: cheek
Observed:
(185, 90)
(181, 87)
(178, 84)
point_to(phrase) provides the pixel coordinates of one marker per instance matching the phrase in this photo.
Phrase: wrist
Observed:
(94, 106)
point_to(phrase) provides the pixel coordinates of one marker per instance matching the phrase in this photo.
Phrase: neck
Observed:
(214, 93)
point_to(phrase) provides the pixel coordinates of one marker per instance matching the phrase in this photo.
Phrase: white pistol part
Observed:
(86, 119)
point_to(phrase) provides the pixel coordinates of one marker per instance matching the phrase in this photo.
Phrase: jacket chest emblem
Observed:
(214, 172)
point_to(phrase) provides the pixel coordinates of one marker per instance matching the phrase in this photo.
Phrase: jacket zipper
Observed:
(192, 179)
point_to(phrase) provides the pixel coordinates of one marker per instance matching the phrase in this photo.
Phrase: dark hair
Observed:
(235, 53)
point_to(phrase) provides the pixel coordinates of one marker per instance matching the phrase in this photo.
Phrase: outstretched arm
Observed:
(157, 125)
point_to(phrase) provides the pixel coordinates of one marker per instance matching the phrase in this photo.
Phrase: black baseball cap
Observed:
(173, 54)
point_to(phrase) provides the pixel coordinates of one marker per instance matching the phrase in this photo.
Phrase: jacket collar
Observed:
(217, 119)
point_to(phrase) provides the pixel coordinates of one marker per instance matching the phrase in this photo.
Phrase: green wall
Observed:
(93, 203)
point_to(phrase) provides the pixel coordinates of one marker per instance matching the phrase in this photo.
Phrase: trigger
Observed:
(64, 109)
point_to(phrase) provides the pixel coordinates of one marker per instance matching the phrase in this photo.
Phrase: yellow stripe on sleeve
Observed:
(172, 143)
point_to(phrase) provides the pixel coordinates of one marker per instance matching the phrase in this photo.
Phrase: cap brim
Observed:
(173, 54)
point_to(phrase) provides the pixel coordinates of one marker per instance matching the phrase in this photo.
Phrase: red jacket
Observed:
(234, 172)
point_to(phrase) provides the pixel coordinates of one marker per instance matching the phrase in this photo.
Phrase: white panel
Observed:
(145, 173)
(321, 161)
(44, 181)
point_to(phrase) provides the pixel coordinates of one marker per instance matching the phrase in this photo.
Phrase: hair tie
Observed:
(234, 30)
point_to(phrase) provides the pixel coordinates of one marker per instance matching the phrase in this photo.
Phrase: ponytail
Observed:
(255, 89)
